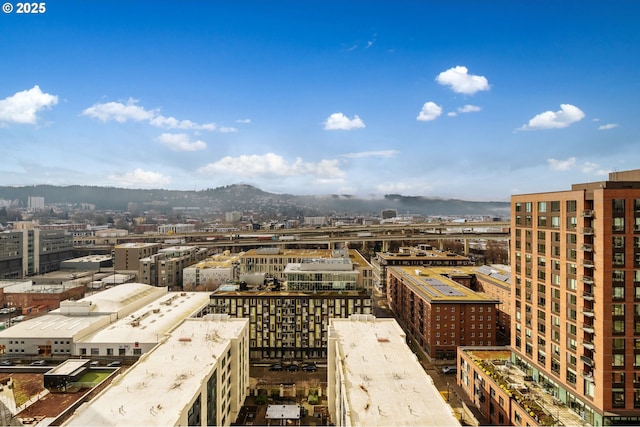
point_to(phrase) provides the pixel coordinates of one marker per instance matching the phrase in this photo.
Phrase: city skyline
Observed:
(468, 100)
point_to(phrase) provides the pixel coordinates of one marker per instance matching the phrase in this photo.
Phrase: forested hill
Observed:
(244, 197)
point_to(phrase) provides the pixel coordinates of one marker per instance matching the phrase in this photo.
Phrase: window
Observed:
(618, 242)
(618, 327)
(618, 224)
(542, 206)
(617, 396)
(618, 258)
(572, 206)
(618, 309)
(617, 360)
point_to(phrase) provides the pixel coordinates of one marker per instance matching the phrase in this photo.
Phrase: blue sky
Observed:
(475, 100)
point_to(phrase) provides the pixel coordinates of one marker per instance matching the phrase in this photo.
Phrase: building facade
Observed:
(31, 251)
(439, 311)
(128, 255)
(165, 267)
(575, 259)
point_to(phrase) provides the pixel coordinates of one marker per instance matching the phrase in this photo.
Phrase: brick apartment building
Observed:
(575, 258)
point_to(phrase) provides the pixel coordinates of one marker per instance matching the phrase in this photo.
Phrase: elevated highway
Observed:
(317, 237)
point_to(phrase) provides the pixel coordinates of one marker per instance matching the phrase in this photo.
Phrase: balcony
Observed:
(588, 328)
(587, 296)
(587, 231)
(588, 312)
(587, 263)
(587, 247)
(588, 345)
(587, 375)
(587, 279)
(587, 213)
(587, 360)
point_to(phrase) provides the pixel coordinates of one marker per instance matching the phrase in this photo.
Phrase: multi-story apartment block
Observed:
(374, 379)
(575, 259)
(420, 256)
(271, 261)
(289, 325)
(439, 311)
(198, 375)
(165, 267)
(212, 272)
(292, 322)
(128, 255)
(32, 251)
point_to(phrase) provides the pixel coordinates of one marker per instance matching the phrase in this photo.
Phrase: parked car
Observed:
(39, 363)
(292, 368)
(449, 369)
(115, 364)
(95, 363)
(6, 363)
(309, 367)
(275, 367)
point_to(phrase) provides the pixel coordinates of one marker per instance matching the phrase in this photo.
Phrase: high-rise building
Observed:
(30, 251)
(35, 203)
(575, 259)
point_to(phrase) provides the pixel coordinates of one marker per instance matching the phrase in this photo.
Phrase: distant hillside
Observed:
(243, 197)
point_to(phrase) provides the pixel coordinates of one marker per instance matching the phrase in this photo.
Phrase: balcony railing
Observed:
(588, 328)
(587, 360)
(587, 296)
(587, 279)
(587, 344)
(587, 231)
(587, 247)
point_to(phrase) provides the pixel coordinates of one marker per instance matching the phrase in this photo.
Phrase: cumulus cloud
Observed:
(469, 109)
(567, 115)
(119, 112)
(381, 153)
(561, 165)
(181, 142)
(123, 112)
(271, 164)
(23, 107)
(140, 178)
(173, 123)
(608, 126)
(430, 111)
(243, 121)
(460, 81)
(338, 121)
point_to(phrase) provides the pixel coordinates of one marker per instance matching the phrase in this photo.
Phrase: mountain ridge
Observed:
(248, 197)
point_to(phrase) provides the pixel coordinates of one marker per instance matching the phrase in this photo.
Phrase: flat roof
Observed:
(54, 326)
(435, 285)
(151, 322)
(384, 381)
(68, 367)
(283, 412)
(119, 297)
(157, 388)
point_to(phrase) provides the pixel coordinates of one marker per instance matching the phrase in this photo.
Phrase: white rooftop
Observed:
(55, 326)
(155, 390)
(384, 381)
(121, 297)
(153, 320)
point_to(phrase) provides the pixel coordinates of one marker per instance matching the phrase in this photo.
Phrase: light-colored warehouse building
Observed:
(140, 331)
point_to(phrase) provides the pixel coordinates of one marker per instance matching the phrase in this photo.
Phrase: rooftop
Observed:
(152, 321)
(384, 381)
(150, 393)
(435, 285)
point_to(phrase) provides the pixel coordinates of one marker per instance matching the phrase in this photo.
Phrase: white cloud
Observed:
(338, 121)
(469, 109)
(561, 165)
(594, 168)
(271, 164)
(567, 115)
(140, 178)
(180, 142)
(226, 129)
(23, 107)
(381, 153)
(608, 126)
(460, 81)
(173, 123)
(452, 114)
(243, 121)
(119, 112)
(430, 111)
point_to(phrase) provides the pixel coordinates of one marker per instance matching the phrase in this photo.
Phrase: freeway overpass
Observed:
(323, 236)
